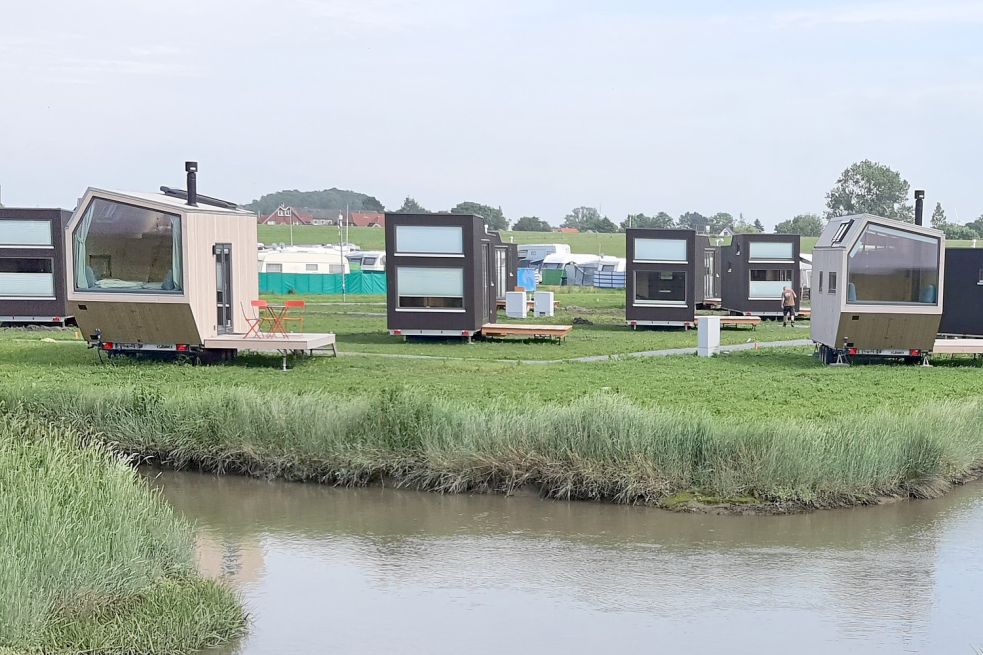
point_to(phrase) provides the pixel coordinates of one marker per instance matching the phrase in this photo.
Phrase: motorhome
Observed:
(369, 260)
(312, 260)
(531, 255)
(879, 289)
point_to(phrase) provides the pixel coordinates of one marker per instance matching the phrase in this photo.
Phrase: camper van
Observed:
(369, 260)
(303, 260)
(531, 255)
(567, 268)
(878, 289)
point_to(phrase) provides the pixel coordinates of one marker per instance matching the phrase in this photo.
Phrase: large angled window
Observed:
(122, 248)
(888, 265)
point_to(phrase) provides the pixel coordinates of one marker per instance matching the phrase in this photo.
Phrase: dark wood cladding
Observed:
(480, 274)
(962, 292)
(43, 309)
(735, 280)
(693, 269)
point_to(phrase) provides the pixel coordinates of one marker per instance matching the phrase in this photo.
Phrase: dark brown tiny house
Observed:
(32, 266)
(755, 270)
(444, 274)
(664, 278)
(962, 293)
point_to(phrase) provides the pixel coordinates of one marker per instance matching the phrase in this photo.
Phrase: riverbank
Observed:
(94, 561)
(598, 447)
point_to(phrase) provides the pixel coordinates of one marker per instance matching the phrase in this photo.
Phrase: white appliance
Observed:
(542, 303)
(515, 304)
(709, 336)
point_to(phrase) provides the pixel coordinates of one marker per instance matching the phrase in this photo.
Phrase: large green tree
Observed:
(588, 219)
(808, 225)
(411, 206)
(870, 187)
(953, 231)
(758, 225)
(661, 220)
(332, 199)
(721, 221)
(938, 217)
(694, 221)
(531, 224)
(494, 217)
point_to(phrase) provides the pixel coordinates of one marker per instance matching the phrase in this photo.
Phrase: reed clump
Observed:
(600, 446)
(93, 561)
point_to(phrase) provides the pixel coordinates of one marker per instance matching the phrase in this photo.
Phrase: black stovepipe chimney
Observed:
(919, 205)
(192, 169)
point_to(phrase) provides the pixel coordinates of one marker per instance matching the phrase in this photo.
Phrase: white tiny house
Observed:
(877, 288)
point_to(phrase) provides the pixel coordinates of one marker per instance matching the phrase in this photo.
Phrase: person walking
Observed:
(788, 307)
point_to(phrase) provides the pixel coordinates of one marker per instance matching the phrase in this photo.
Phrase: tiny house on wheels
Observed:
(962, 313)
(444, 274)
(170, 273)
(32, 266)
(756, 270)
(665, 275)
(878, 288)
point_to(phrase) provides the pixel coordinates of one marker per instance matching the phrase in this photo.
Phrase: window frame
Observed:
(659, 303)
(640, 260)
(832, 282)
(425, 253)
(899, 233)
(790, 282)
(30, 246)
(170, 293)
(754, 260)
(446, 310)
(19, 297)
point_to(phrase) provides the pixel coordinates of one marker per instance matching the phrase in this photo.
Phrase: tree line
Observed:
(863, 187)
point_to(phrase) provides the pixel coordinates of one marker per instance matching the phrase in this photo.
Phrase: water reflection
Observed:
(337, 570)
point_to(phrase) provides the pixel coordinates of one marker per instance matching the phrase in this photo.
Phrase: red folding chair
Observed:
(289, 317)
(257, 318)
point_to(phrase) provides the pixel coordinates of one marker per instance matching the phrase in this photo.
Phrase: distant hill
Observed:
(335, 199)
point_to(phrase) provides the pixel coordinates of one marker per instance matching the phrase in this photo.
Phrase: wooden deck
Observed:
(804, 313)
(280, 343)
(958, 347)
(558, 332)
(737, 321)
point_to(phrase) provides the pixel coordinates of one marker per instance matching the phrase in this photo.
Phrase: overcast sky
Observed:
(534, 105)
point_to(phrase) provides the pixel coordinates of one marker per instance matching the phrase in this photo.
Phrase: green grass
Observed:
(93, 561)
(360, 326)
(601, 446)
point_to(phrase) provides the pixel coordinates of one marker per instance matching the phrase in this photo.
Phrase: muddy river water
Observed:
(377, 570)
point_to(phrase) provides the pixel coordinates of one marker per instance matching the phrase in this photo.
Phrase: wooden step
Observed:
(559, 332)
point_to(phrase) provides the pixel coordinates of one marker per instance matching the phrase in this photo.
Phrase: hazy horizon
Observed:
(536, 106)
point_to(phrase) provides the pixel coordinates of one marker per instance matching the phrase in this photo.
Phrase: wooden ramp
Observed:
(737, 321)
(558, 332)
(958, 347)
(278, 343)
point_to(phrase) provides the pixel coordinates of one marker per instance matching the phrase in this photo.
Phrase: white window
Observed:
(447, 240)
(771, 250)
(31, 233)
(26, 277)
(430, 288)
(660, 288)
(660, 250)
(274, 268)
(310, 268)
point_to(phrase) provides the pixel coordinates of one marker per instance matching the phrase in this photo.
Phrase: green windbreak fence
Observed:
(316, 283)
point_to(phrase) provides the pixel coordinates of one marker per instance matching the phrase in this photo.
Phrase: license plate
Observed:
(901, 353)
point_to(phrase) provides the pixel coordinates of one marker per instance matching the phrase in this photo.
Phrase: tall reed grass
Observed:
(92, 560)
(597, 447)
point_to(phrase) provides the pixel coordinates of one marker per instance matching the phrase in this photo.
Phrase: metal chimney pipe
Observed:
(191, 167)
(919, 205)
